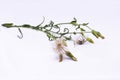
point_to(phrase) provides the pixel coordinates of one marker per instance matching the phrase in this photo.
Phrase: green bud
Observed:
(95, 33)
(69, 54)
(90, 40)
(100, 35)
(8, 25)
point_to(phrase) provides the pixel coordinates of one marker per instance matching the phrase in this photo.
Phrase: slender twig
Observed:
(52, 34)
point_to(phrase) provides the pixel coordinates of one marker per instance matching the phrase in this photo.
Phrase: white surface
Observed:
(32, 58)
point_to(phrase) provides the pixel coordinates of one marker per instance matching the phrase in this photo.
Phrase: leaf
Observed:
(82, 29)
(90, 40)
(8, 25)
(74, 22)
(50, 36)
(68, 38)
(85, 24)
(51, 23)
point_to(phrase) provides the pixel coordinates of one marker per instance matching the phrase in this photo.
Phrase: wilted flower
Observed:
(61, 48)
(80, 40)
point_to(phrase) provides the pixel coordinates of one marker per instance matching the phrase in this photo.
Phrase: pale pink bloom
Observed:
(61, 48)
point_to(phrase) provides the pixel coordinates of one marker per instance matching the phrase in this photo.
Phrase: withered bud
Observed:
(80, 42)
(60, 57)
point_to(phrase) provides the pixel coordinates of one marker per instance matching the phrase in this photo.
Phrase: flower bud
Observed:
(90, 40)
(69, 54)
(95, 33)
(100, 35)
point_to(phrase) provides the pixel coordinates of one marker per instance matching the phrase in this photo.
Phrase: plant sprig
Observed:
(60, 33)
(54, 31)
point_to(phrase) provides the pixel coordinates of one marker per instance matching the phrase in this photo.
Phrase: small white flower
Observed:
(61, 48)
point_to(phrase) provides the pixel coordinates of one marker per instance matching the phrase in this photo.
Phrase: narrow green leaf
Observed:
(82, 29)
(68, 38)
(85, 24)
(8, 25)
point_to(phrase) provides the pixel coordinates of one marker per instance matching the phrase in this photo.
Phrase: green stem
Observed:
(62, 23)
(89, 28)
(79, 32)
(49, 29)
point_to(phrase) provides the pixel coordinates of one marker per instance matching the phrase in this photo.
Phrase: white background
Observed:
(32, 58)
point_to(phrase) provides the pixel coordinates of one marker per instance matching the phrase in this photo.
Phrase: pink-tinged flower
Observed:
(61, 48)
(80, 40)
